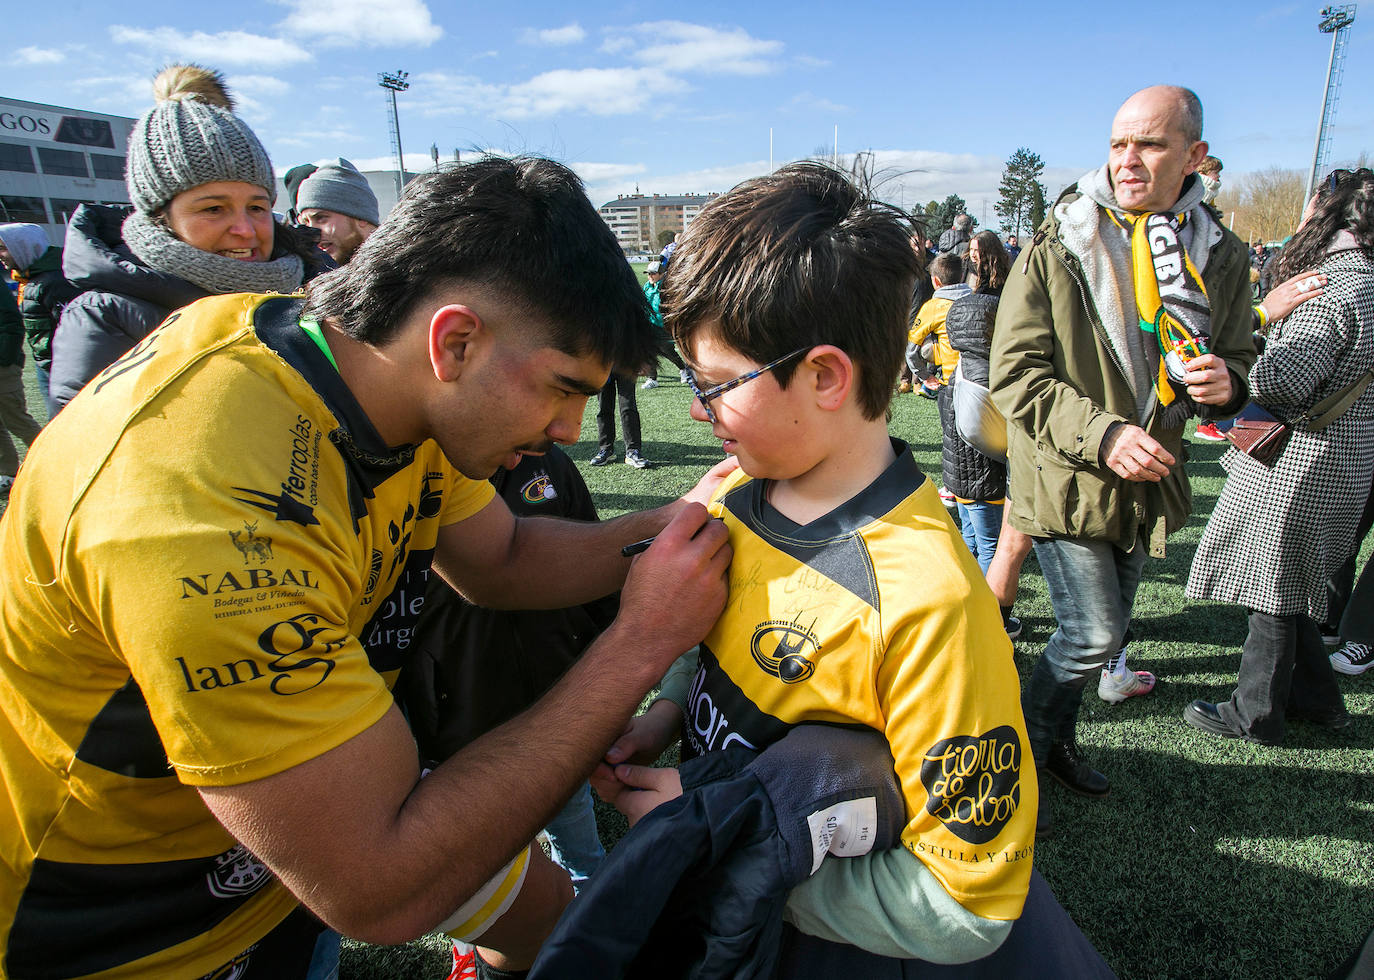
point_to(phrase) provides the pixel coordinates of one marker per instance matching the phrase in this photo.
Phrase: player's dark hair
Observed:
(798, 258)
(522, 227)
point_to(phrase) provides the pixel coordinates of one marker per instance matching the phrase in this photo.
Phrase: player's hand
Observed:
(1208, 381)
(676, 590)
(1287, 296)
(1133, 454)
(641, 788)
(706, 486)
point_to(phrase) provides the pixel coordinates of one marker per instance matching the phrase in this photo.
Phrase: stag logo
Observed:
(251, 544)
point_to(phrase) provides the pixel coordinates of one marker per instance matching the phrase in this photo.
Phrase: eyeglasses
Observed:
(1335, 177)
(705, 397)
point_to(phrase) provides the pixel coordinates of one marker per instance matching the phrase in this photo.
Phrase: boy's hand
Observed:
(647, 735)
(706, 486)
(635, 790)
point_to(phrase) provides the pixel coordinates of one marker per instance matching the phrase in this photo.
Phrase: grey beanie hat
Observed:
(192, 137)
(339, 187)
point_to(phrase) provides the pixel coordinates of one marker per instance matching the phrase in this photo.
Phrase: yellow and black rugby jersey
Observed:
(212, 566)
(876, 615)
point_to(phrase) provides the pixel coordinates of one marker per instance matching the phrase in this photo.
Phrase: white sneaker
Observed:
(1353, 659)
(649, 383)
(1115, 688)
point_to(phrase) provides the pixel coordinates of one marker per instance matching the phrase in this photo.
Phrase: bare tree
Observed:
(1266, 204)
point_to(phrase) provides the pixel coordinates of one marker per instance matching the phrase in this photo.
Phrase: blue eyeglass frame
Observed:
(705, 397)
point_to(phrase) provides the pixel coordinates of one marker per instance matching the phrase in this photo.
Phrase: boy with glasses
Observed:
(788, 298)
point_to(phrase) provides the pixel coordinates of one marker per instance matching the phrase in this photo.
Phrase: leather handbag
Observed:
(1258, 434)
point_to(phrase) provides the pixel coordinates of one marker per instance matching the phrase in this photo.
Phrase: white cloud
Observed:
(811, 102)
(674, 45)
(224, 48)
(568, 34)
(265, 86)
(599, 91)
(362, 22)
(596, 173)
(38, 56)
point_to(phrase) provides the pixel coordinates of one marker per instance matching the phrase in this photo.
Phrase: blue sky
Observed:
(676, 98)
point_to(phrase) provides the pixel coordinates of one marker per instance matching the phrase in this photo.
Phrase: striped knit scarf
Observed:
(1171, 302)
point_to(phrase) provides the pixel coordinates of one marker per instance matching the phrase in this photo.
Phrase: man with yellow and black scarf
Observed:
(1128, 313)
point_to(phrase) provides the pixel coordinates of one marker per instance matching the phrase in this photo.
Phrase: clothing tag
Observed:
(846, 829)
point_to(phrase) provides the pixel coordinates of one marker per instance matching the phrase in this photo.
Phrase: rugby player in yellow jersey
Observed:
(853, 599)
(213, 562)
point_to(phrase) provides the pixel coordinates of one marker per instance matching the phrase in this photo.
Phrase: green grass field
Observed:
(1210, 858)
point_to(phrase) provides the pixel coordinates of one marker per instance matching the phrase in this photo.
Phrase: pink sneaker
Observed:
(1114, 689)
(1208, 432)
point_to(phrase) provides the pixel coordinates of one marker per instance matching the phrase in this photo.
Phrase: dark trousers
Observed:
(620, 388)
(668, 352)
(1338, 589)
(1284, 667)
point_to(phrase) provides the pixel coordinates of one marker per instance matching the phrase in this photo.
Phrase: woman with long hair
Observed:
(202, 188)
(1280, 530)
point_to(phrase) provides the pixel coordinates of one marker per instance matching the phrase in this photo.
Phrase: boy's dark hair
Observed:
(522, 227)
(795, 259)
(948, 267)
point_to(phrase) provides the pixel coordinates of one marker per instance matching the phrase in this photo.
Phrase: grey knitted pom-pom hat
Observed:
(191, 137)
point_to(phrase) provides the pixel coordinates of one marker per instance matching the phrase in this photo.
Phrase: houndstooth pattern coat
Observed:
(1278, 533)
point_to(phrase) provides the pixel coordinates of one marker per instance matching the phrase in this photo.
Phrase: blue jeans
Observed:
(1092, 586)
(981, 523)
(573, 843)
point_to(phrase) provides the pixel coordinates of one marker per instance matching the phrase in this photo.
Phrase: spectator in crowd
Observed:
(978, 482)
(665, 257)
(1013, 248)
(618, 394)
(956, 238)
(15, 419)
(337, 202)
(201, 224)
(1209, 172)
(292, 181)
(43, 291)
(1279, 531)
(214, 562)
(1095, 428)
(653, 275)
(946, 276)
(1356, 654)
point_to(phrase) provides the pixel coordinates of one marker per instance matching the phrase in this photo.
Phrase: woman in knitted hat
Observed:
(202, 189)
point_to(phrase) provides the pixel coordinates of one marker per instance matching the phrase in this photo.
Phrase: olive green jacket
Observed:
(1061, 387)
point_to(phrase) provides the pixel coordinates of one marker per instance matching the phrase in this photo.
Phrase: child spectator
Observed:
(37, 266)
(654, 275)
(947, 276)
(789, 299)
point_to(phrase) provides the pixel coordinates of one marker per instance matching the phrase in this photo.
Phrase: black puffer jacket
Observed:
(122, 298)
(967, 473)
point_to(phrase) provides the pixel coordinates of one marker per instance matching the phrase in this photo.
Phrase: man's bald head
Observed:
(1156, 143)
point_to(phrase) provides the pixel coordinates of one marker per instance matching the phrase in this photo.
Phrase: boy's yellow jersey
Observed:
(223, 598)
(877, 615)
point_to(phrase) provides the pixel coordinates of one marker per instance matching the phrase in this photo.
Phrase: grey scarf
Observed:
(156, 246)
(1104, 252)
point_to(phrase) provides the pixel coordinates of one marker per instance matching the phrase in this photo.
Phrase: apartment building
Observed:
(638, 220)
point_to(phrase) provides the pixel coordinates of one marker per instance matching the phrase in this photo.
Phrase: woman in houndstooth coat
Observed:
(1278, 532)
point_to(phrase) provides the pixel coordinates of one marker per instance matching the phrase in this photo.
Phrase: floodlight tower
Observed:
(396, 82)
(1337, 21)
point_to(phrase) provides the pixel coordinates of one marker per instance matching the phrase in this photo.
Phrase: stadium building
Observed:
(53, 158)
